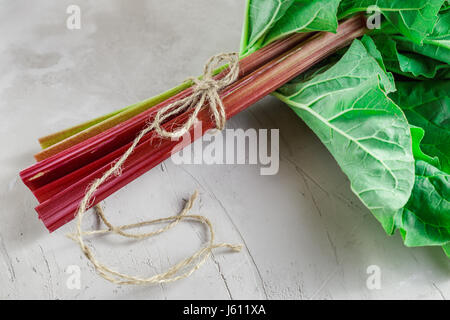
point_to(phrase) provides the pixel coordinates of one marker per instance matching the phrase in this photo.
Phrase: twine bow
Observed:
(205, 89)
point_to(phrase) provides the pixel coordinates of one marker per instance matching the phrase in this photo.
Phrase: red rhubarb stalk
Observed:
(246, 65)
(61, 208)
(88, 151)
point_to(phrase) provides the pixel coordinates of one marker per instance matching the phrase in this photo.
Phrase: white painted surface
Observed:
(305, 234)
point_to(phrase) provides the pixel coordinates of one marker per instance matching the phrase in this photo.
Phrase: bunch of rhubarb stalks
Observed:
(72, 159)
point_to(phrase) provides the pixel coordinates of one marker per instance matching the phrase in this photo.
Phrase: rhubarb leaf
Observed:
(441, 32)
(269, 20)
(365, 131)
(410, 61)
(425, 219)
(428, 60)
(260, 17)
(426, 104)
(446, 248)
(415, 19)
(420, 67)
(306, 16)
(417, 135)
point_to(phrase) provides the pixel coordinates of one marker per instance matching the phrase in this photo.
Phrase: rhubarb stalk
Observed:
(96, 147)
(60, 141)
(61, 207)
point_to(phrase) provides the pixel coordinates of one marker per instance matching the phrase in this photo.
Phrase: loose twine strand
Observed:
(205, 89)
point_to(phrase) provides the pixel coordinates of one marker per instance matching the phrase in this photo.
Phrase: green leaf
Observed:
(442, 28)
(446, 248)
(420, 67)
(445, 6)
(410, 63)
(426, 104)
(366, 132)
(417, 135)
(306, 16)
(415, 19)
(428, 60)
(268, 20)
(437, 46)
(374, 52)
(425, 219)
(260, 17)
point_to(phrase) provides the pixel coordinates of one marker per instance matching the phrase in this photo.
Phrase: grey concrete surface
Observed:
(306, 236)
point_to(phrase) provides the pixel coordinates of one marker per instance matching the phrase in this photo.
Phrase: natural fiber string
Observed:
(205, 89)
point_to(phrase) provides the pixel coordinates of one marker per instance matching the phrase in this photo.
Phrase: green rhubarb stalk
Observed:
(100, 124)
(65, 139)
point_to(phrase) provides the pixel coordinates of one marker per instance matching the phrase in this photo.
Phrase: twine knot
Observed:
(205, 84)
(205, 89)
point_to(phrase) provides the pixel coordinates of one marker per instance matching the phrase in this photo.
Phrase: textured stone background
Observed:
(306, 235)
